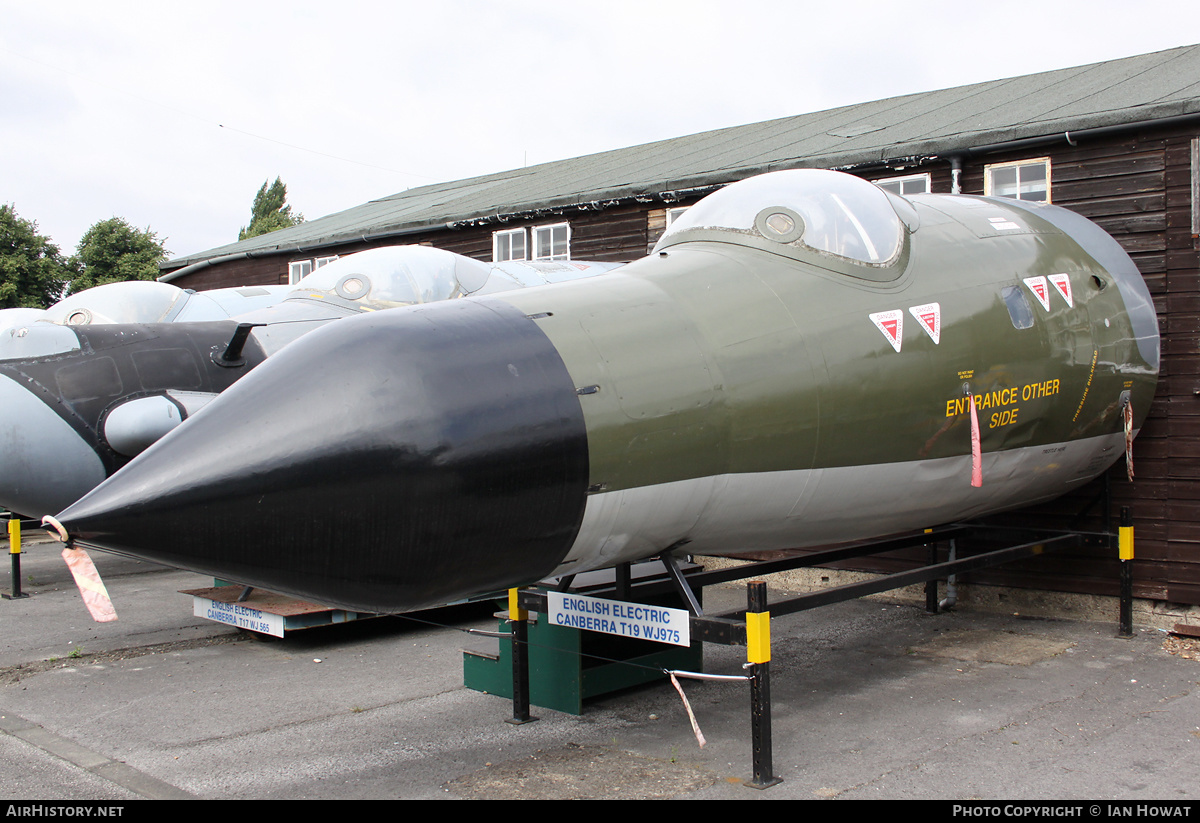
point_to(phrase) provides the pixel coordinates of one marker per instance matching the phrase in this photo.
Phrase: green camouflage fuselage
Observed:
(717, 359)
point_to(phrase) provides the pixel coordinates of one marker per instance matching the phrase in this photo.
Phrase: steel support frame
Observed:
(731, 628)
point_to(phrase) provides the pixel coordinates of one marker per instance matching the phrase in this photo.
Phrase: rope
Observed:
(60, 532)
(702, 676)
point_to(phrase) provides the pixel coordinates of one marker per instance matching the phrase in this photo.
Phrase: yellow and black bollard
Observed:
(1125, 552)
(758, 656)
(14, 552)
(518, 620)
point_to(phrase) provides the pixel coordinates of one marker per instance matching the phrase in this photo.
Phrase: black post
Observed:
(931, 586)
(1125, 544)
(518, 620)
(758, 651)
(623, 581)
(1107, 494)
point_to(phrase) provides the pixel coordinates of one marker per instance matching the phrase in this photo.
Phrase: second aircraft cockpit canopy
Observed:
(397, 276)
(408, 275)
(835, 220)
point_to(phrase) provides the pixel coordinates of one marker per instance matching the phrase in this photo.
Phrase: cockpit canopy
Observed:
(800, 211)
(131, 301)
(398, 275)
(152, 301)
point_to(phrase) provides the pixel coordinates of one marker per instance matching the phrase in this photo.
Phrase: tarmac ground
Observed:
(871, 700)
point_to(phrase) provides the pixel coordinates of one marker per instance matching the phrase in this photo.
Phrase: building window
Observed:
(299, 269)
(1025, 180)
(508, 245)
(552, 242)
(324, 261)
(910, 184)
(675, 214)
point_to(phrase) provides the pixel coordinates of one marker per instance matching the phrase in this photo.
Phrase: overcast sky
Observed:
(172, 115)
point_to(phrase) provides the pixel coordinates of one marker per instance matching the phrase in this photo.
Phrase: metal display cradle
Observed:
(542, 665)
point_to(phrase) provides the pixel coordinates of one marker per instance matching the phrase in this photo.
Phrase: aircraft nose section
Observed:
(44, 463)
(387, 462)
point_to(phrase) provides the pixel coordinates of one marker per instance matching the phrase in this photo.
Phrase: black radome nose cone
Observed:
(387, 462)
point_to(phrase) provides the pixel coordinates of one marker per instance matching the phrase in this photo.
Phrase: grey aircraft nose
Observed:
(44, 464)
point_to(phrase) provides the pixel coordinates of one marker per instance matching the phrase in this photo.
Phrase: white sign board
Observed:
(235, 614)
(656, 623)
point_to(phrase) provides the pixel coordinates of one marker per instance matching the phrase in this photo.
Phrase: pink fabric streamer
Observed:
(688, 706)
(976, 448)
(91, 587)
(1128, 414)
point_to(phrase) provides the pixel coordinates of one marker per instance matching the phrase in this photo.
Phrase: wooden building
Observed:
(1115, 141)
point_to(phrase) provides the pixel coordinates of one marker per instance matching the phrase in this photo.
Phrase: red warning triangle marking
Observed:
(891, 323)
(929, 316)
(1040, 290)
(1063, 284)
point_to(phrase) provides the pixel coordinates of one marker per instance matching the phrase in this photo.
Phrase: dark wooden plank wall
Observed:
(1138, 187)
(1183, 378)
(257, 271)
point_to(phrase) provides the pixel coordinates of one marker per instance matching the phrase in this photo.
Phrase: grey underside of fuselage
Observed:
(792, 509)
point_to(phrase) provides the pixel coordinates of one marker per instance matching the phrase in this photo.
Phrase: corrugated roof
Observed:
(1117, 92)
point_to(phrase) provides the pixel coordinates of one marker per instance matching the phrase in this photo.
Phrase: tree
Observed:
(112, 251)
(32, 271)
(269, 211)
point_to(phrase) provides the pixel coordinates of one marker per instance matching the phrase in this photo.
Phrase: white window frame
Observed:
(675, 213)
(989, 187)
(549, 230)
(926, 181)
(324, 261)
(509, 234)
(298, 270)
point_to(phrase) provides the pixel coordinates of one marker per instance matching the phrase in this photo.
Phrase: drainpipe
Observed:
(203, 264)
